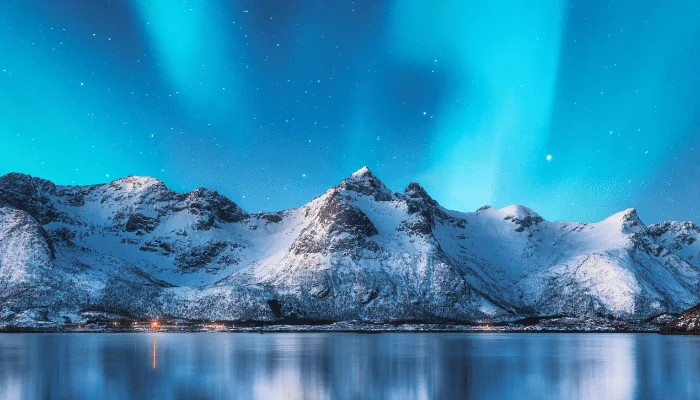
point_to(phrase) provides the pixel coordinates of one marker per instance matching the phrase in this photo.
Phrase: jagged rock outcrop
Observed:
(688, 323)
(424, 211)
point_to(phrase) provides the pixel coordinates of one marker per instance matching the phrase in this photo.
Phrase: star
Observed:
(549, 157)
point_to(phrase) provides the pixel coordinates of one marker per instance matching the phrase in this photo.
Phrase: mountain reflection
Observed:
(346, 366)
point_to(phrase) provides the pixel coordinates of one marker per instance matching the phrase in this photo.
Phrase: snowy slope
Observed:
(359, 251)
(556, 268)
(25, 254)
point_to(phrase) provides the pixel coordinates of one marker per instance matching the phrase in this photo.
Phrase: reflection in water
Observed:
(153, 363)
(346, 366)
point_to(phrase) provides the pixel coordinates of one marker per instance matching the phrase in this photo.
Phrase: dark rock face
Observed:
(422, 206)
(275, 307)
(204, 257)
(684, 232)
(341, 227)
(212, 206)
(63, 235)
(418, 198)
(342, 217)
(306, 243)
(157, 246)
(526, 222)
(29, 194)
(273, 218)
(140, 223)
(424, 211)
(688, 323)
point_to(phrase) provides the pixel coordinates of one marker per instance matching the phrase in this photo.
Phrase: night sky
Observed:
(577, 109)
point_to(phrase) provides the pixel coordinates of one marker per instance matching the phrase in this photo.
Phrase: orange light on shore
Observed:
(155, 325)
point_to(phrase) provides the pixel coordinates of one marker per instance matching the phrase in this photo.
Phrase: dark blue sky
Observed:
(577, 109)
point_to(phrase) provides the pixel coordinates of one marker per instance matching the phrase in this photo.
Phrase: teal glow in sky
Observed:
(577, 109)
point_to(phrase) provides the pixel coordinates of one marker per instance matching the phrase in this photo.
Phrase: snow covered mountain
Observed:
(358, 252)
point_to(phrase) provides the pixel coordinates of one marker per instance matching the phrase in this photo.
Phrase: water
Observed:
(348, 366)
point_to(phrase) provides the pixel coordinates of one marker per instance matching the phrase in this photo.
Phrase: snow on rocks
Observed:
(359, 252)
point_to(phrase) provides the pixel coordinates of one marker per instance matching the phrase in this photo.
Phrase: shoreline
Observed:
(363, 329)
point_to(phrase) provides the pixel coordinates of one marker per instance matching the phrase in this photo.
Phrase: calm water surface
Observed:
(348, 366)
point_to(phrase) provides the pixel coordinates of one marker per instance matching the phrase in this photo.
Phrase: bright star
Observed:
(549, 157)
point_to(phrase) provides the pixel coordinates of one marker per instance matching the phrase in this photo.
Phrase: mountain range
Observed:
(359, 252)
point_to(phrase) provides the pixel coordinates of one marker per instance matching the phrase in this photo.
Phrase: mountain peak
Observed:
(523, 217)
(362, 172)
(364, 182)
(518, 211)
(414, 189)
(629, 214)
(210, 202)
(627, 220)
(140, 184)
(138, 180)
(20, 179)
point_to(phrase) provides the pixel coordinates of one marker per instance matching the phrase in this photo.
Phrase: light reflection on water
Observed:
(347, 366)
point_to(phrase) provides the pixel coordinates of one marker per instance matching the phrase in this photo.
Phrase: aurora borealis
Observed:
(577, 109)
